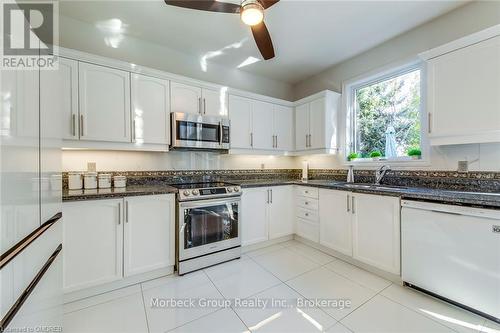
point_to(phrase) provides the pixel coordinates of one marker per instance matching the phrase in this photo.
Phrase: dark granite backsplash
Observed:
(451, 180)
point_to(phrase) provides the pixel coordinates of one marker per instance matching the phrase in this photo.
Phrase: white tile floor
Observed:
(290, 273)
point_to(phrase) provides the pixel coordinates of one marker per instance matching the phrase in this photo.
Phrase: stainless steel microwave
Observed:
(193, 131)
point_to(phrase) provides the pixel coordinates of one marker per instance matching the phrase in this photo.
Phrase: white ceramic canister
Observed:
(120, 181)
(90, 180)
(104, 180)
(75, 180)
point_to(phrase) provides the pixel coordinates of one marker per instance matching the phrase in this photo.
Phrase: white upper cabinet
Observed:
(185, 98)
(214, 102)
(302, 126)
(316, 122)
(62, 93)
(204, 101)
(376, 231)
(335, 220)
(262, 125)
(464, 94)
(240, 113)
(150, 110)
(104, 97)
(148, 238)
(283, 128)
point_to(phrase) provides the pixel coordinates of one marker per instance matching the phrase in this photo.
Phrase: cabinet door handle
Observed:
(310, 141)
(119, 213)
(267, 201)
(204, 106)
(126, 211)
(352, 205)
(251, 139)
(133, 130)
(271, 195)
(73, 124)
(199, 105)
(81, 125)
(429, 122)
(348, 203)
(276, 141)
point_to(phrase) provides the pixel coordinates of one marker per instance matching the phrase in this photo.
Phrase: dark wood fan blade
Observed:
(268, 3)
(207, 5)
(263, 40)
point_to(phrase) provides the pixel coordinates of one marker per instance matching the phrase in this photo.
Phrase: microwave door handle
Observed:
(220, 133)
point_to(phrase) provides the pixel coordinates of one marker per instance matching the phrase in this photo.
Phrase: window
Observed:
(385, 116)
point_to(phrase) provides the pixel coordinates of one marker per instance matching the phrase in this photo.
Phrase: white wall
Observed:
(150, 161)
(458, 23)
(81, 36)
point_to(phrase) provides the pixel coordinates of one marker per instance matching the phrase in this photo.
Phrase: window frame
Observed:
(381, 74)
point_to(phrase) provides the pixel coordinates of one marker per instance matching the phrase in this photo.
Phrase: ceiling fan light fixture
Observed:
(252, 12)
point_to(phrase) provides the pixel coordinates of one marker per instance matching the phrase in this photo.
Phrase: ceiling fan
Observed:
(251, 13)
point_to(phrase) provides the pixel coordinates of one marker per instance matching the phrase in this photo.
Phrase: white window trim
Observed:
(381, 74)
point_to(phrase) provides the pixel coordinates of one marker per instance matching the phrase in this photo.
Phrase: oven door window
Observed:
(211, 224)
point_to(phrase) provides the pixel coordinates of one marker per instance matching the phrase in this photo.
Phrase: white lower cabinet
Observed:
(266, 214)
(106, 240)
(148, 238)
(93, 243)
(335, 220)
(376, 231)
(306, 213)
(280, 212)
(364, 226)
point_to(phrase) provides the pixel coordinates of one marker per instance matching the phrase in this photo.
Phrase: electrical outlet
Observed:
(262, 166)
(91, 167)
(463, 166)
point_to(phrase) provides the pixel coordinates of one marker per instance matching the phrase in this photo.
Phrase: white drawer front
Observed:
(310, 192)
(308, 214)
(308, 203)
(307, 230)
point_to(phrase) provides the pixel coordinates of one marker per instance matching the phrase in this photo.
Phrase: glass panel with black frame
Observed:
(192, 131)
(206, 225)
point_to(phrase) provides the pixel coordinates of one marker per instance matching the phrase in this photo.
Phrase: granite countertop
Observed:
(415, 193)
(110, 193)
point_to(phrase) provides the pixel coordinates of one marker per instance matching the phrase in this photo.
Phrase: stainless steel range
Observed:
(208, 224)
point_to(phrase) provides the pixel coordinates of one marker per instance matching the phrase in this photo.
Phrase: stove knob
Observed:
(230, 189)
(195, 192)
(186, 193)
(236, 189)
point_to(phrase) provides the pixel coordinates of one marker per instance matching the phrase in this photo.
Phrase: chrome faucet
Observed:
(380, 173)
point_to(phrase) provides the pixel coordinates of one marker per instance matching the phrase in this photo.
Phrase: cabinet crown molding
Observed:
(461, 43)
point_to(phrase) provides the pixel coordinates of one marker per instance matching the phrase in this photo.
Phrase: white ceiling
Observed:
(308, 36)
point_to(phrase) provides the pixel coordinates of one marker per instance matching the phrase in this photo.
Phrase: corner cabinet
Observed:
(108, 240)
(463, 85)
(104, 98)
(316, 123)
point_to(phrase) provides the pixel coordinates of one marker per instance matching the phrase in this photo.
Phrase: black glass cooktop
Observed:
(201, 185)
